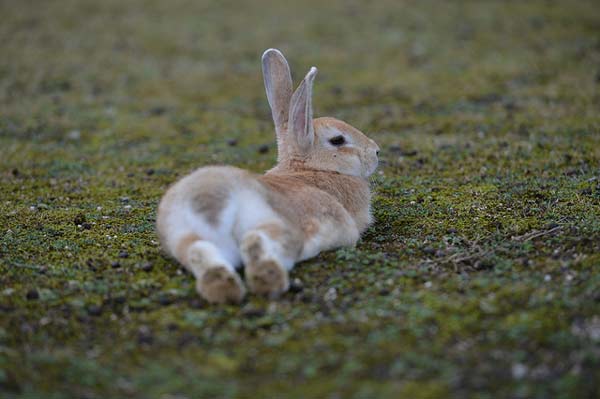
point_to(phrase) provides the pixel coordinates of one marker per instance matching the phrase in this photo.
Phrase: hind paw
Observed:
(267, 277)
(220, 285)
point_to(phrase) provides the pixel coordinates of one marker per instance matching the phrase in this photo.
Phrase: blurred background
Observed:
(478, 279)
(152, 69)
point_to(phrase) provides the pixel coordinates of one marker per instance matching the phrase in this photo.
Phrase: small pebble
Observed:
(185, 339)
(74, 135)
(197, 303)
(115, 265)
(330, 295)
(337, 90)
(263, 149)
(519, 370)
(73, 284)
(394, 148)
(410, 153)
(145, 339)
(306, 297)
(296, 286)
(429, 250)
(32, 295)
(252, 312)
(150, 172)
(94, 310)
(145, 335)
(232, 142)
(79, 219)
(123, 254)
(146, 266)
(120, 299)
(158, 110)
(165, 300)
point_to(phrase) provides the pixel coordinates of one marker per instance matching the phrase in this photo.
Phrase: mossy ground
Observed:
(480, 277)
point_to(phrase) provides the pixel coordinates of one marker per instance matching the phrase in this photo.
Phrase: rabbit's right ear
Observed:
(300, 124)
(278, 84)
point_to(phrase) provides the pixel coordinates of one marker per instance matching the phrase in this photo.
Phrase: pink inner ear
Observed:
(301, 112)
(278, 85)
(301, 115)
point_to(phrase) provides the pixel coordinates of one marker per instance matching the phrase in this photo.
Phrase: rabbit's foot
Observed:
(220, 285)
(264, 274)
(267, 277)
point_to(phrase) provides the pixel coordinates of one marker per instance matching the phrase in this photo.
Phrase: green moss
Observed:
(478, 279)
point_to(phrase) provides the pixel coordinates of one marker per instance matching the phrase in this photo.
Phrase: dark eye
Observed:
(337, 141)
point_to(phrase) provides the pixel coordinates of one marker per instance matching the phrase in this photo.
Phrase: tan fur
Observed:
(181, 252)
(304, 197)
(210, 199)
(264, 275)
(281, 233)
(316, 198)
(322, 159)
(219, 285)
(267, 278)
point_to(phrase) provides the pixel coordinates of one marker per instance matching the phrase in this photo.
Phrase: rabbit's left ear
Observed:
(278, 85)
(301, 114)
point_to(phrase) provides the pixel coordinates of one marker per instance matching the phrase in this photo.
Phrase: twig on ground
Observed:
(535, 233)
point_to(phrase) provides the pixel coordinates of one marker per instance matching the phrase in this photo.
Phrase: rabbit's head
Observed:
(303, 142)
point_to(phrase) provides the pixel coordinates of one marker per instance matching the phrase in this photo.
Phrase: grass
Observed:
(480, 277)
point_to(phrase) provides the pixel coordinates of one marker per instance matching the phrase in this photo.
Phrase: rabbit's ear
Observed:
(301, 115)
(278, 84)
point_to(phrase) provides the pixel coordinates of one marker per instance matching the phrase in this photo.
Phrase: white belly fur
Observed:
(331, 235)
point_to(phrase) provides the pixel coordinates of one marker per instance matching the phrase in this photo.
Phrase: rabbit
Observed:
(317, 198)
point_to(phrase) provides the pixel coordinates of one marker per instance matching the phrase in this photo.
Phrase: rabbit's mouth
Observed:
(372, 167)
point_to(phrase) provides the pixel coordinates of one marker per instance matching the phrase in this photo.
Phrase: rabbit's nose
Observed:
(377, 152)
